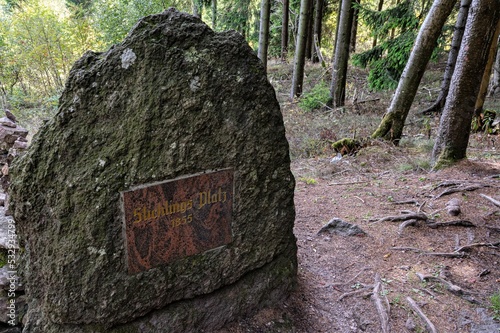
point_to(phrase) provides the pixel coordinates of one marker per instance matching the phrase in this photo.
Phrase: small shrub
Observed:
(495, 305)
(316, 97)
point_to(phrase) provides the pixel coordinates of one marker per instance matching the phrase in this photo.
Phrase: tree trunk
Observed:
(495, 83)
(318, 23)
(214, 14)
(483, 90)
(391, 127)
(310, 31)
(265, 13)
(455, 125)
(196, 7)
(341, 57)
(300, 49)
(380, 5)
(284, 30)
(458, 34)
(354, 28)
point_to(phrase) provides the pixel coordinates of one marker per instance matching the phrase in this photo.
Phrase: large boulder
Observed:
(174, 112)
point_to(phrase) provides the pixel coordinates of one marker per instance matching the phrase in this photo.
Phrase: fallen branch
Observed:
(460, 223)
(383, 311)
(495, 202)
(430, 326)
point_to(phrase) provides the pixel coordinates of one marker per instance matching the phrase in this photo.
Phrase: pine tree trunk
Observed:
(310, 32)
(318, 23)
(458, 34)
(341, 57)
(483, 90)
(265, 13)
(455, 125)
(284, 30)
(214, 14)
(495, 83)
(391, 126)
(300, 49)
(354, 28)
(380, 6)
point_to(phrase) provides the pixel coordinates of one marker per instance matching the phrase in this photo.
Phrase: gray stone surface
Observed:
(173, 99)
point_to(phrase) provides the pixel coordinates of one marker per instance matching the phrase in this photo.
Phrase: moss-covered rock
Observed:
(173, 99)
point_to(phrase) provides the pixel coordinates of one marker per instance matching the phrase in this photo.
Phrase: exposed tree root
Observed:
(367, 289)
(495, 202)
(405, 224)
(460, 223)
(404, 217)
(454, 254)
(451, 287)
(430, 326)
(470, 246)
(383, 307)
(461, 188)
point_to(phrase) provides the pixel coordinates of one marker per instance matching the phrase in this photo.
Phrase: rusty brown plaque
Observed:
(177, 218)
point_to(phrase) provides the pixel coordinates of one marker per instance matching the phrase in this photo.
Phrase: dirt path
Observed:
(337, 273)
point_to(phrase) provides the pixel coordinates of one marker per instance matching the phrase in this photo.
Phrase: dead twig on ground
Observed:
(382, 309)
(430, 326)
(495, 202)
(355, 292)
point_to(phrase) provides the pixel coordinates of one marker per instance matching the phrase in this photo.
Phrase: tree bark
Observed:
(341, 57)
(495, 83)
(483, 90)
(455, 125)
(214, 14)
(284, 30)
(391, 127)
(458, 34)
(318, 23)
(300, 49)
(354, 27)
(380, 6)
(265, 14)
(310, 32)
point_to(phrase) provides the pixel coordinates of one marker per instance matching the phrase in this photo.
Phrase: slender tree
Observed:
(391, 127)
(318, 24)
(265, 14)
(300, 49)
(379, 8)
(483, 90)
(354, 27)
(284, 30)
(458, 33)
(495, 82)
(455, 125)
(341, 56)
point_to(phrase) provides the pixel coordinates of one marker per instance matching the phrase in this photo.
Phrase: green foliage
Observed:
(115, 18)
(388, 59)
(495, 305)
(317, 97)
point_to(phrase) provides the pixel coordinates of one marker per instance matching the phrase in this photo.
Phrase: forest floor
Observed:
(449, 272)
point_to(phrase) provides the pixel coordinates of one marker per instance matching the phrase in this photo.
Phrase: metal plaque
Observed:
(177, 218)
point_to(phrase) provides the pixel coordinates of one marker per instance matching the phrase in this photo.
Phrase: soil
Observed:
(333, 267)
